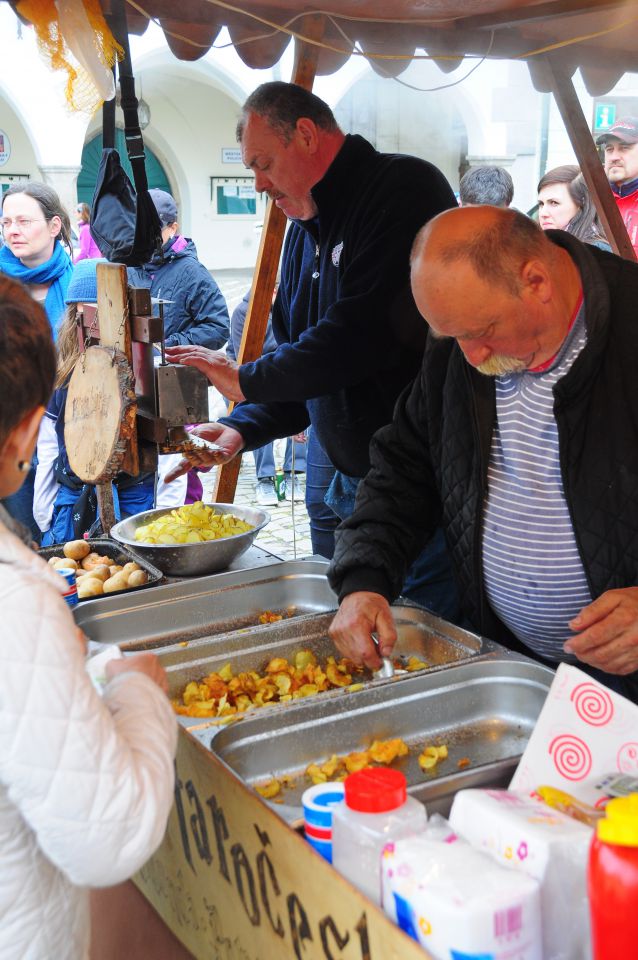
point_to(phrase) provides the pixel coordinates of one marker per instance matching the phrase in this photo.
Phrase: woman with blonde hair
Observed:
(65, 507)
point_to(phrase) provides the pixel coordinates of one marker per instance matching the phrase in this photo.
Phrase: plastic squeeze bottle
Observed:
(612, 881)
(376, 809)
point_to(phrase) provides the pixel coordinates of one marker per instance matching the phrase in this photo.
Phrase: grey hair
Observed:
(281, 105)
(487, 185)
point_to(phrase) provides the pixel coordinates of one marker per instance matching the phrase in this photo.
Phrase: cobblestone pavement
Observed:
(288, 533)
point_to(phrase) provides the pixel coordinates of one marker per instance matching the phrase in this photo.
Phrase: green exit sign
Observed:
(604, 115)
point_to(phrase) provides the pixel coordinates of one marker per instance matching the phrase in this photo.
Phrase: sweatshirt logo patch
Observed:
(336, 253)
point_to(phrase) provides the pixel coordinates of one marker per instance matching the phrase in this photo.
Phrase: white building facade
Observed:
(454, 120)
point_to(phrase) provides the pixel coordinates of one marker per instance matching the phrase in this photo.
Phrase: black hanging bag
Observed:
(124, 221)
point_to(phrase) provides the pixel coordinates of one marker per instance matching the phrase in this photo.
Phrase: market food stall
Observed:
(234, 876)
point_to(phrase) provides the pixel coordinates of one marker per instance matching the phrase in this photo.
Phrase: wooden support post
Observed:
(588, 159)
(105, 507)
(272, 235)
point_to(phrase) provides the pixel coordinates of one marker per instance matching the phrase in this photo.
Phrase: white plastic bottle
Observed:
(376, 809)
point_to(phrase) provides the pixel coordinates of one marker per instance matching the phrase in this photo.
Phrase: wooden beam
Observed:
(540, 11)
(588, 160)
(272, 235)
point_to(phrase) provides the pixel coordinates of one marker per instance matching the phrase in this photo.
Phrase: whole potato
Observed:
(129, 567)
(53, 560)
(117, 582)
(115, 568)
(65, 563)
(100, 571)
(76, 549)
(137, 578)
(89, 587)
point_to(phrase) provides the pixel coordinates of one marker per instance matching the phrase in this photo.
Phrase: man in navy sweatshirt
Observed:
(349, 336)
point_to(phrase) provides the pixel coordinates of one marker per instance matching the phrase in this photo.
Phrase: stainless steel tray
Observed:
(484, 710)
(420, 634)
(120, 554)
(204, 607)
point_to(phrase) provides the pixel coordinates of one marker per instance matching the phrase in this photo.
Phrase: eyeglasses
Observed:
(23, 224)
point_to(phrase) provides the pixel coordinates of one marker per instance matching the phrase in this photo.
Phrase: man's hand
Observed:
(220, 370)
(360, 615)
(607, 632)
(146, 663)
(230, 441)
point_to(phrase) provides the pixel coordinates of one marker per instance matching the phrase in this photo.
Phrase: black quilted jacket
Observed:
(430, 464)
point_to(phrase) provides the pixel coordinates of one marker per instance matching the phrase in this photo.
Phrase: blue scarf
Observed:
(56, 271)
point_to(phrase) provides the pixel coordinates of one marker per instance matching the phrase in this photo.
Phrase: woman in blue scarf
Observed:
(36, 229)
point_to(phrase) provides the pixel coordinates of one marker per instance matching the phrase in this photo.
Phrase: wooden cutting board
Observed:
(100, 414)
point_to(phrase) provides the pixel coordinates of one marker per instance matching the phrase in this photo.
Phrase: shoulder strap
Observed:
(132, 132)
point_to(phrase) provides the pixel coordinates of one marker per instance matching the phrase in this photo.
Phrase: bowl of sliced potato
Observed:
(192, 540)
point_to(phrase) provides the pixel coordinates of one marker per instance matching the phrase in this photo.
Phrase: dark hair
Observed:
(49, 203)
(84, 211)
(495, 251)
(585, 225)
(282, 105)
(27, 355)
(487, 185)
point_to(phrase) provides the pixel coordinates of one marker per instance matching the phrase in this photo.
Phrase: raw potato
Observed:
(118, 582)
(137, 578)
(76, 549)
(101, 571)
(192, 523)
(90, 587)
(130, 567)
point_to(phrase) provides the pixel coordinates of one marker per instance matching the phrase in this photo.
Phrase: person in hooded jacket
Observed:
(86, 781)
(195, 310)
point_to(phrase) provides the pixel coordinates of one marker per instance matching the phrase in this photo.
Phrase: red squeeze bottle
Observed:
(612, 881)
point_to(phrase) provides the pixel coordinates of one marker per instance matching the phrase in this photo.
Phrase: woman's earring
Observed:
(24, 466)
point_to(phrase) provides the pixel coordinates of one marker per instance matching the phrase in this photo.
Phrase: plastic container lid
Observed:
(620, 825)
(375, 790)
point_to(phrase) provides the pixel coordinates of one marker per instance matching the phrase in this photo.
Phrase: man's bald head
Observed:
(490, 279)
(495, 242)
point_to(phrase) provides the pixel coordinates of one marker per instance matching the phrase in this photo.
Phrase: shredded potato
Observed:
(337, 767)
(192, 523)
(223, 693)
(430, 756)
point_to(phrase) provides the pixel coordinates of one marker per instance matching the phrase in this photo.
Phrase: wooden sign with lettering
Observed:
(234, 882)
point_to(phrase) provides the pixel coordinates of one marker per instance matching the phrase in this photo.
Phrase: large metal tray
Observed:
(120, 554)
(207, 606)
(420, 634)
(484, 710)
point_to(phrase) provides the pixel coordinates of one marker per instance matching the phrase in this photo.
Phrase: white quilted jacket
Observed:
(86, 783)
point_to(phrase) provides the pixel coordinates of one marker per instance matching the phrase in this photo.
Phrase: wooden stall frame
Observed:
(272, 236)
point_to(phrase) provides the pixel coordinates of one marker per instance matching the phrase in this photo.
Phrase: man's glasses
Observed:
(23, 224)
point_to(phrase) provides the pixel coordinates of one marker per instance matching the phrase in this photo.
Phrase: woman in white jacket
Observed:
(86, 783)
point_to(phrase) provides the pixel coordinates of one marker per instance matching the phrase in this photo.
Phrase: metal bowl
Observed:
(192, 559)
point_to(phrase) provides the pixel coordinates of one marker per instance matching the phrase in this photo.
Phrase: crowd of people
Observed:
(460, 381)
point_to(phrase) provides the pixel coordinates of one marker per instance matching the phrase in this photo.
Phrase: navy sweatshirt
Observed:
(350, 337)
